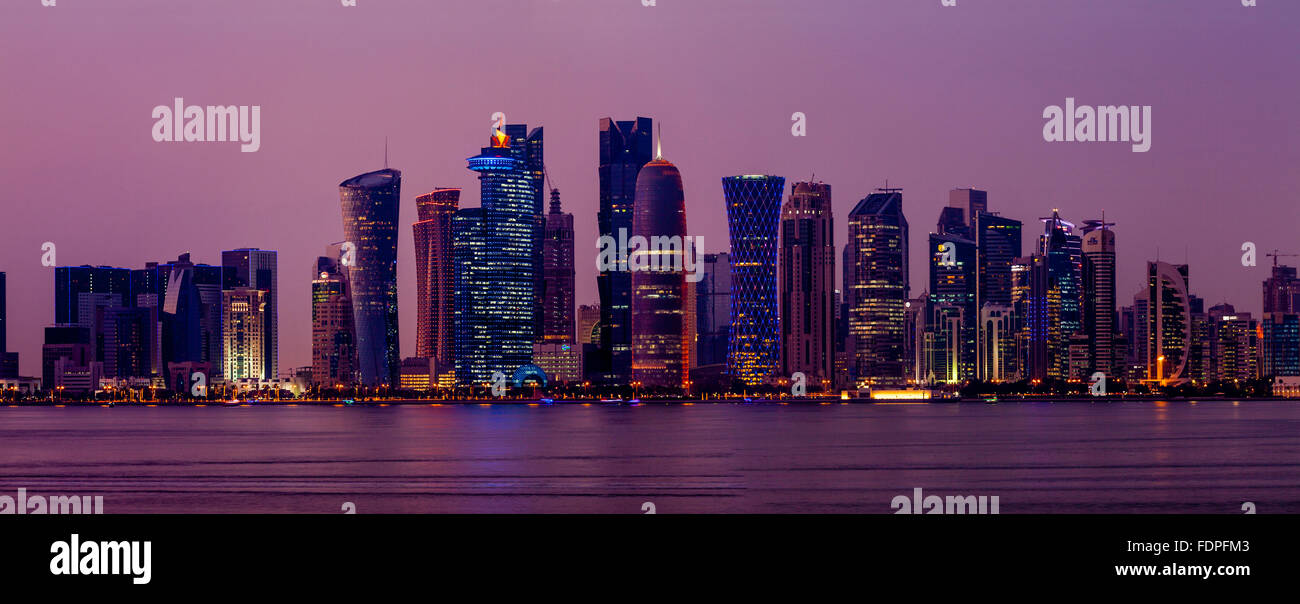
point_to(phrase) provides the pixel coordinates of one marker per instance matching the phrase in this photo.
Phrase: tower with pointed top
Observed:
(662, 305)
(558, 283)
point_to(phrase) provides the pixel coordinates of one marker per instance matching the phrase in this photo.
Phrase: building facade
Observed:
(877, 288)
(435, 276)
(807, 280)
(370, 204)
(753, 218)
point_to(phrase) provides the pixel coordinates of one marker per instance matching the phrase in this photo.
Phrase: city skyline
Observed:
(275, 199)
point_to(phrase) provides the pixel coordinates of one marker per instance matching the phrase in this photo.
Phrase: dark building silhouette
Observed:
(625, 146)
(1282, 290)
(713, 309)
(558, 284)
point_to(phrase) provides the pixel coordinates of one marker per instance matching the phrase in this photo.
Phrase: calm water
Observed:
(1036, 457)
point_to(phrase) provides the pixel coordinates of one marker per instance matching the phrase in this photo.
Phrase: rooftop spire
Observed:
(659, 150)
(555, 201)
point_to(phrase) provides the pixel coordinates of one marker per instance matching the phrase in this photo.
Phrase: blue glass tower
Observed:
(495, 257)
(1064, 252)
(753, 219)
(370, 212)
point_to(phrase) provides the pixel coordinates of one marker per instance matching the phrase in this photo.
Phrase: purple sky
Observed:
(925, 96)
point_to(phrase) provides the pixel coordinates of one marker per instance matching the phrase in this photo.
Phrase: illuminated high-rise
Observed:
(753, 217)
(494, 251)
(370, 213)
(1063, 251)
(808, 283)
(878, 288)
(435, 275)
(244, 321)
(661, 313)
(528, 148)
(952, 289)
(333, 337)
(1169, 320)
(1099, 299)
(258, 269)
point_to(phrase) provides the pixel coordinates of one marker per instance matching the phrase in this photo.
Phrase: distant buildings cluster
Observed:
(495, 296)
(173, 325)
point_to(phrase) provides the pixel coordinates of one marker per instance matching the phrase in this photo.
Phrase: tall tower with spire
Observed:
(662, 308)
(558, 283)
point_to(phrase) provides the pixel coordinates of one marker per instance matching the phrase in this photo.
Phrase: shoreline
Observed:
(634, 403)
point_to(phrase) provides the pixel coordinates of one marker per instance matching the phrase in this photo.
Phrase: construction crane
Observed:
(1275, 255)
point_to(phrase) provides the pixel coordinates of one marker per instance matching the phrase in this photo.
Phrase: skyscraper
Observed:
(1233, 344)
(528, 148)
(1169, 323)
(1282, 290)
(952, 289)
(624, 148)
(187, 299)
(83, 293)
(713, 309)
(244, 322)
(258, 269)
(4, 337)
(876, 264)
(435, 276)
(753, 217)
(495, 255)
(1099, 298)
(661, 329)
(558, 284)
(333, 338)
(1063, 251)
(1029, 300)
(370, 205)
(8, 360)
(1279, 344)
(808, 283)
(472, 297)
(130, 336)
